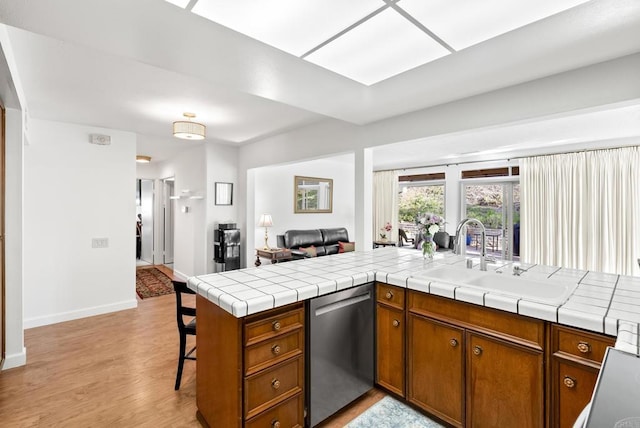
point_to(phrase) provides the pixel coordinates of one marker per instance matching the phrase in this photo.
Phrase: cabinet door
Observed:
(390, 349)
(435, 368)
(504, 384)
(573, 385)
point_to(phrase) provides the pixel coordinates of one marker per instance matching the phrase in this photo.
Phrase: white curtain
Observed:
(385, 203)
(582, 210)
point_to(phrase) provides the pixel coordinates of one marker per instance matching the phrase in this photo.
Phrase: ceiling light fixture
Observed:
(188, 130)
(143, 159)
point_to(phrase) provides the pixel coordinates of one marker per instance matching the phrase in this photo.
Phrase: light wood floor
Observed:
(113, 370)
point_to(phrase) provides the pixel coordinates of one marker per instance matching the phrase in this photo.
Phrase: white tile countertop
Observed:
(600, 302)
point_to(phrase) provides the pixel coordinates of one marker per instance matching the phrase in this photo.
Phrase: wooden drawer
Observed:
(517, 328)
(269, 352)
(582, 344)
(259, 328)
(390, 295)
(272, 386)
(286, 415)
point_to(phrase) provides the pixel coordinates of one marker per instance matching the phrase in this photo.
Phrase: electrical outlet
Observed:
(100, 243)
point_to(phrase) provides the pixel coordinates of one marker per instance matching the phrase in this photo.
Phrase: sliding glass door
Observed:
(497, 205)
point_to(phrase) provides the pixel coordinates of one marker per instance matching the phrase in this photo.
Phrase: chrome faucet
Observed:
(483, 234)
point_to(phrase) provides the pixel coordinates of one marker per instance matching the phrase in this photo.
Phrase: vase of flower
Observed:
(428, 247)
(385, 229)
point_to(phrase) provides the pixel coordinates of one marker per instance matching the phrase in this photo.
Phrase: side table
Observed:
(377, 244)
(274, 254)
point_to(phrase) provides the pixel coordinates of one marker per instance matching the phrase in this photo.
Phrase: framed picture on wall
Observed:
(224, 193)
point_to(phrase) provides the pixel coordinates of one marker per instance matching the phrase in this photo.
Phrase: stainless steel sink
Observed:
(543, 291)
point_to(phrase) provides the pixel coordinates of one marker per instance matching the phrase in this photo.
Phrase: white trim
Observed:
(180, 275)
(15, 360)
(82, 313)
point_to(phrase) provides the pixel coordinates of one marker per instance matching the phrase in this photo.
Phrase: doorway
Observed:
(168, 191)
(497, 205)
(144, 219)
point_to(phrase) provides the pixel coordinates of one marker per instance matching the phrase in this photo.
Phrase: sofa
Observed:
(324, 241)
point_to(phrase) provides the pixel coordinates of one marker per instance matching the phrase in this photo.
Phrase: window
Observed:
(497, 206)
(419, 198)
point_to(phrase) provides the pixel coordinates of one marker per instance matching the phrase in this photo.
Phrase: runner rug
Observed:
(390, 413)
(151, 282)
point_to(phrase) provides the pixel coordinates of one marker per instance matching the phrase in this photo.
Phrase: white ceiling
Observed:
(372, 40)
(138, 66)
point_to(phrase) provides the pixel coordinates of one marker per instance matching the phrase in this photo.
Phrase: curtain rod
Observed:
(508, 159)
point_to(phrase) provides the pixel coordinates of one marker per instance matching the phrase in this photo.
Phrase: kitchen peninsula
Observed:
(245, 378)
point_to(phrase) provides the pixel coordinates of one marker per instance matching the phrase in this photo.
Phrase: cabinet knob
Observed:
(389, 295)
(275, 424)
(275, 384)
(584, 347)
(276, 325)
(453, 342)
(477, 350)
(396, 323)
(275, 349)
(569, 382)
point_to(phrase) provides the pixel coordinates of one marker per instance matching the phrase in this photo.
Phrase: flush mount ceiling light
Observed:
(187, 129)
(143, 159)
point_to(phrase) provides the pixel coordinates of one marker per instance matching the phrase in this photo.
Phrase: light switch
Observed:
(100, 243)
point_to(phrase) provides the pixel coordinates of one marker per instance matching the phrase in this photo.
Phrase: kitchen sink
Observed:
(543, 291)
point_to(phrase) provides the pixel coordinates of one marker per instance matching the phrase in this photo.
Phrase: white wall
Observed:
(14, 260)
(197, 169)
(222, 166)
(190, 171)
(274, 195)
(75, 191)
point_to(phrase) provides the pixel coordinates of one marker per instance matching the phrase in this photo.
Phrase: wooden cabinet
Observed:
(505, 383)
(575, 364)
(390, 348)
(473, 366)
(435, 368)
(250, 371)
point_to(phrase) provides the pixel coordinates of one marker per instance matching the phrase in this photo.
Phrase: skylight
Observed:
(371, 40)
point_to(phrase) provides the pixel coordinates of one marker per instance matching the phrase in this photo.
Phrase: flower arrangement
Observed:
(429, 224)
(385, 229)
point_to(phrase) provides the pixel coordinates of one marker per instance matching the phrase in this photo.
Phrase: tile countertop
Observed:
(601, 302)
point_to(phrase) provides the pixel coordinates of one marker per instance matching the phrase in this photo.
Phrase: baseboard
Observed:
(15, 360)
(81, 313)
(180, 275)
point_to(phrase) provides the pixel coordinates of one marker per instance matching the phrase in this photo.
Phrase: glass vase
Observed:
(428, 247)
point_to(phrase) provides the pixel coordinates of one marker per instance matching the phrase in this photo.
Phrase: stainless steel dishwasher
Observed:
(340, 350)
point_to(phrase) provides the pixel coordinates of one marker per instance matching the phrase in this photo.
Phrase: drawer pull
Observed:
(275, 424)
(477, 350)
(584, 347)
(275, 349)
(276, 325)
(453, 342)
(275, 384)
(569, 382)
(389, 295)
(396, 323)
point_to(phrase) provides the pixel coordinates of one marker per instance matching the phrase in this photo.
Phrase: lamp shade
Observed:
(265, 220)
(188, 130)
(143, 159)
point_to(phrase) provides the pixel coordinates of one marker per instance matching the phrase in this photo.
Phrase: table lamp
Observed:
(266, 222)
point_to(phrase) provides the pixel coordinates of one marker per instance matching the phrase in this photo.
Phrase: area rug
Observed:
(390, 413)
(151, 282)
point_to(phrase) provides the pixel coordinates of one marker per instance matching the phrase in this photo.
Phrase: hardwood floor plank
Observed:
(112, 370)
(109, 370)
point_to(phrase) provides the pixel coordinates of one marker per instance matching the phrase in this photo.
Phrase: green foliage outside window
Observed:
(420, 200)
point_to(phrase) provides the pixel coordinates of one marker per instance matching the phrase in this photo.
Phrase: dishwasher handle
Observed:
(342, 303)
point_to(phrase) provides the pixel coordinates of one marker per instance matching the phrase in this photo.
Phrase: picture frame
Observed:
(312, 195)
(224, 193)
